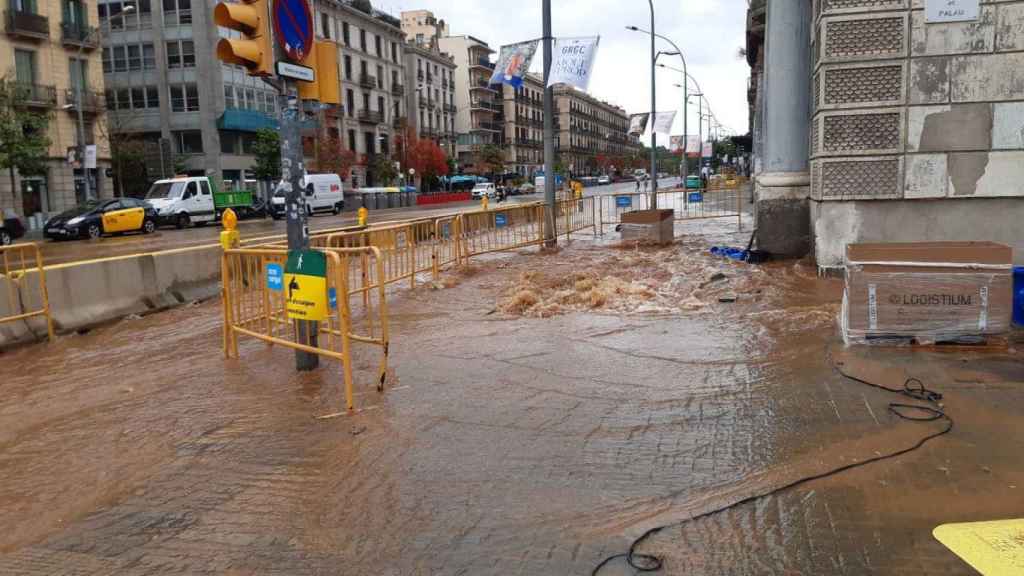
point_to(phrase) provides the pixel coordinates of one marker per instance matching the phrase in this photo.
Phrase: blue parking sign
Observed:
(623, 201)
(275, 277)
(332, 297)
(500, 220)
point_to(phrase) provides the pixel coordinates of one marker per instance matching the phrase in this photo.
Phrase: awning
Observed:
(245, 120)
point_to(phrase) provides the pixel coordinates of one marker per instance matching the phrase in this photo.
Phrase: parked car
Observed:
(11, 227)
(526, 188)
(484, 189)
(95, 218)
(324, 193)
(604, 179)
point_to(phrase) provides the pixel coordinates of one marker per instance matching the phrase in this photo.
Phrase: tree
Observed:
(333, 158)
(128, 157)
(383, 170)
(492, 159)
(23, 142)
(427, 158)
(267, 151)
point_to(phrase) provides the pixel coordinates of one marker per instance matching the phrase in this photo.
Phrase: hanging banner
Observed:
(663, 122)
(675, 144)
(90, 157)
(514, 62)
(706, 151)
(692, 146)
(573, 60)
(638, 123)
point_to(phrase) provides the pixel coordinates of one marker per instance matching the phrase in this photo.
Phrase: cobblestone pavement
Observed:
(505, 444)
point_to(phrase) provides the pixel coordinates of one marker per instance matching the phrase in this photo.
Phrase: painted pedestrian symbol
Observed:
(293, 28)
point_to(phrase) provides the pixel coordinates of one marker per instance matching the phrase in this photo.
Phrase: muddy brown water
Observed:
(504, 443)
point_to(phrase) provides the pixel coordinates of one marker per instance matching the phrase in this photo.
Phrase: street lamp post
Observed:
(700, 134)
(128, 9)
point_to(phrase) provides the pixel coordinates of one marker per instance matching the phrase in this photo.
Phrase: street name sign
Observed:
(295, 71)
(938, 11)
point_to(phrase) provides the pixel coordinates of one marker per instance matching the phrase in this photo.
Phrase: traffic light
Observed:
(253, 50)
(323, 59)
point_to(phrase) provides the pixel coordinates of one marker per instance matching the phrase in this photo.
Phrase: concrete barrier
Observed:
(85, 294)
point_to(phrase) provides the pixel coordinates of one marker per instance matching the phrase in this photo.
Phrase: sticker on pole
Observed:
(623, 201)
(305, 285)
(275, 277)
(293, 28)
(992, 548)
(332, 297)
(500, 220)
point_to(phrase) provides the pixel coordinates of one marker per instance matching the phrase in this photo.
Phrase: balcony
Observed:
(482, 62)
(485, 105)
(423, 103)
(397, 89)
(428, 133)
(484, 85)
(367, 81)
(430, 78)
(419, 75)
(27, 24)
(444, 84)
(36, 95)
(450, 108)
(92, 102)
(371, 116)
(398, 122)
(489, 126)
(79, 35)
(430, 104)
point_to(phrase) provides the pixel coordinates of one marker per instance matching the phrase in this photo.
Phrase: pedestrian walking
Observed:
(637, 185)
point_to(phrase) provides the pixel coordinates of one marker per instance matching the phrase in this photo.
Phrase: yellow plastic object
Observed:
(229, 220)
(992, 548)
(229, 238)
(363, 214)
(483, 202)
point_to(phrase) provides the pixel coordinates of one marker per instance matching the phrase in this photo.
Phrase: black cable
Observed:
(912, 388)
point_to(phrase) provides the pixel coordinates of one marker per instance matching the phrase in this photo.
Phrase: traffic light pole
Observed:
(292, 169)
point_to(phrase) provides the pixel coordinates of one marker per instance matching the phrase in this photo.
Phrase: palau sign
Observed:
(937, 11)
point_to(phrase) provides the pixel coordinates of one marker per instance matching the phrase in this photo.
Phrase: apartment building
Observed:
(50, 49)
(524, 126)
(422, 28)
(166, 88)
(372, 62)
(430, 94)
(589, 131)
(479, 118)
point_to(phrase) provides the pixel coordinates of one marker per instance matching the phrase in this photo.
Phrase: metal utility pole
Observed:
(654, 108)
(550, 233)
(292, 170)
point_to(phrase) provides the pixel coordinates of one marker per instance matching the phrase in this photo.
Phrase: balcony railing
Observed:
(367, 81)
(397, 89)
(92, 102)
(483, 62)
(27, 24)
(35, 95)
(430, 78)
(423, 103)
(492, 126)
(79, 35)
(371, 116)
(450, 108)
(484, 84)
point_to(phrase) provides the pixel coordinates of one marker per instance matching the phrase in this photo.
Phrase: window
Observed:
(148, 56)
(228, 142)
(184, 98)
(419, 38)
(134, 57)
(325, 25)
(350, 102)
(366, 101)
(394, 52)
(380, 104)
(376, 41)
(152, 97)
(138, 98)
(348, 67)
(79, 72)
(24, 6)
(352, 140)
(189, 142)
(123, 99)
(380, 76)
(25, 66)
(362, 40)
(108, 64)
(173, 55)
(250, 99)
(204, 187)
(229, 96)
(188, 54)
(111, 100)
(362, 68)
(344, 33)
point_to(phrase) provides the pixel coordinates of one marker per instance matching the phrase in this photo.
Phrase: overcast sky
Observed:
(710, 32)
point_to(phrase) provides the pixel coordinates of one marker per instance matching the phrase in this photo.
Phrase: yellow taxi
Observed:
(95, 218)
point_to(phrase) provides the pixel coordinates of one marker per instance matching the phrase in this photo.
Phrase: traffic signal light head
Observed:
(253, 50)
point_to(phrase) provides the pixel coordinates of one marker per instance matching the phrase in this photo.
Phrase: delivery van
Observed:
(323, 192)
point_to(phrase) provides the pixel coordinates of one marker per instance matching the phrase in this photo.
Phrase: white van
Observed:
(183, 201)
(323, 194)
(485, 189)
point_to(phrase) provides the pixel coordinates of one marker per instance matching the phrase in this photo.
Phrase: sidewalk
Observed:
(544, 410)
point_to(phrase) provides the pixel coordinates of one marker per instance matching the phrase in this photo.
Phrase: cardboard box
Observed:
(656, 226)
(927, 292)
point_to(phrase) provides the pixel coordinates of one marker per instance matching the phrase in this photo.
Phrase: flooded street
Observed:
(543, 411)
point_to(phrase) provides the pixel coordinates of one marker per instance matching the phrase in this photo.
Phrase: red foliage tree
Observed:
(427, 158)
(331, 157)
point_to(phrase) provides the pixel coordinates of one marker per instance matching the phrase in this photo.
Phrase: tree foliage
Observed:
(24, 145)
(267, 151)
(332, 158)
(128, 159)
(427, 158)
(492, 159)
(383, 170)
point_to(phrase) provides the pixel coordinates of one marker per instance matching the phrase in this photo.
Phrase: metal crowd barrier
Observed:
(690, 204)
(17, 260)
(253, 309)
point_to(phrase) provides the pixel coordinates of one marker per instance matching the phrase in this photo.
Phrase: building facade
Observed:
(430, 94)
(166, 89)
(372, 76)
(590, 134)
(50, 49)
(524, 126)
(889, 128)
(479, 122)
(422, 28)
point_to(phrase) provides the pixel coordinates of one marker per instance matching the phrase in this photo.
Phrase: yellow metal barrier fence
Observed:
(252, 308)
(17, 261)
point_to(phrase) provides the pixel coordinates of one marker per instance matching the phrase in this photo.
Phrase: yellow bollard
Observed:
(483, 201)
(363, 213)
(229, 238)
